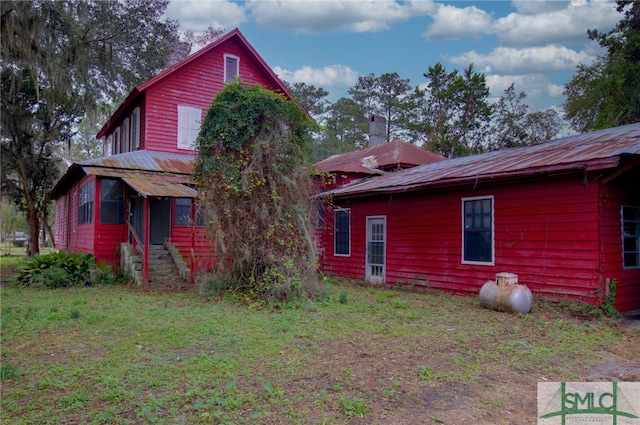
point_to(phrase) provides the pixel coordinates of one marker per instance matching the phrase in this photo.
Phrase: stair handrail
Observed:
(136, 239)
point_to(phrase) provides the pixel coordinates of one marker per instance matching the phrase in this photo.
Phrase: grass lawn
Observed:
(366, 355)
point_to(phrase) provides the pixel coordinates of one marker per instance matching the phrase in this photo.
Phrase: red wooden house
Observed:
(564, 216)
(139, 195)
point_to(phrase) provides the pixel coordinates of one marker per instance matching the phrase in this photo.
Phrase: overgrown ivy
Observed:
(256, 187)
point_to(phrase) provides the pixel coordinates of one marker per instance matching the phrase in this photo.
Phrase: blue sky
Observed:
(535, 44)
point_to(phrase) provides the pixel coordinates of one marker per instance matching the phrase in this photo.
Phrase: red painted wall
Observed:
(547, 232)
(80, 236)
(196, 86)
(628, 281)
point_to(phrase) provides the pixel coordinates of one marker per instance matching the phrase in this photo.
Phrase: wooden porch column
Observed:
(145, 251)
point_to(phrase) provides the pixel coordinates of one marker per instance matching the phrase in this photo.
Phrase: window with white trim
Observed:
(109, 147)
(85, 202)
(188, 126)
(342, 232)
(477, 230)
(116, 141)
(135, 129)
(126, 136)
(630, 237)
(231, 68)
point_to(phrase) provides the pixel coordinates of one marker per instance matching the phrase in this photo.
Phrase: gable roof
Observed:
(590, 151)
(138, 91)
(371, 160)
(151, 173)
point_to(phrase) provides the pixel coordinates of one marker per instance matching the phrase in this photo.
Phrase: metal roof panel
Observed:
(597, 149)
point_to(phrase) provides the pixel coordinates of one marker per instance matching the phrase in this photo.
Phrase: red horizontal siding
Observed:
(195, 85)
(628, 280)
(194, 246)
(546, 233)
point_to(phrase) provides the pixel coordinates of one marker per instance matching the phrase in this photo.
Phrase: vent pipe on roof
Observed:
(377, 130)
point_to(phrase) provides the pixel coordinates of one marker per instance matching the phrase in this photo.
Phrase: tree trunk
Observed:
(33, 247)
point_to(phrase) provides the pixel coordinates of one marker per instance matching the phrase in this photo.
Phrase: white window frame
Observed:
(335, 233)
(109, 146)
(629, 236)
(126, 142)
(135, 129)
(493, 231)
(236, 72)
(116, 141)
(188, 126)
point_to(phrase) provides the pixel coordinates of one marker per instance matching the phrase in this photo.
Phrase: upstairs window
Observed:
(116, 142)
(109, 147)
(126, 136)
(477, 232)
(631, 237)
(231, 68)
(85, 203)
(111, 201)
(342, 231)
(188, 126)
(135, 129)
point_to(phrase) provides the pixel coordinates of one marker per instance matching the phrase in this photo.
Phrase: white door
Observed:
(375, 258)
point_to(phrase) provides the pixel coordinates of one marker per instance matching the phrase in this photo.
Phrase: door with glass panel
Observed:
(375, 255)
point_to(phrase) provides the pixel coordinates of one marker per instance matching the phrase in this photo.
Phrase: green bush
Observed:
(56, 270)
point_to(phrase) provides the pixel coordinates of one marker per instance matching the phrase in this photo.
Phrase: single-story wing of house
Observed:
(564, 216)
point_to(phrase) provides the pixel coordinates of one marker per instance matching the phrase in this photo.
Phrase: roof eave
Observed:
(603, 163)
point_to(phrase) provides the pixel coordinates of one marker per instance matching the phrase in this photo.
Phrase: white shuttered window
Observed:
(188, 126)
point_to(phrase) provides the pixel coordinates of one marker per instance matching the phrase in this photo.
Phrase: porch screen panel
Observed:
(111, 201)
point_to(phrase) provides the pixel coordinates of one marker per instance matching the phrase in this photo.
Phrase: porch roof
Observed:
(150, 183)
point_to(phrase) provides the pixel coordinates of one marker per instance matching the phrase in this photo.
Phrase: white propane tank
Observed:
(505, 294)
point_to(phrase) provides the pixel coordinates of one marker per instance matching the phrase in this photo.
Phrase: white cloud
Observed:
(567, 25)
(450, 22)
(316, 16)
(532, 7)
(508, 60)
(537, 87)
(198, 15)
(327, 77)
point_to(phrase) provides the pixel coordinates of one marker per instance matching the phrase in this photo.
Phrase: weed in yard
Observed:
(400, 303)
(425, 373)
(8, 371)
(30, 312)
(343, 298)
(75, 401)
(383, 296)
(74, 314)
(353, 407)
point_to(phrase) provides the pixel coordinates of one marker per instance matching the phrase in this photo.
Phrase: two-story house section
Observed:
(140, 192)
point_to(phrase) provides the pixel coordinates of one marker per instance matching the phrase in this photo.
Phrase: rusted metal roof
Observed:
(589, 151)
(159, 186)
(150, 183)
(145, 160)
(396, 154)
(152, 173)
